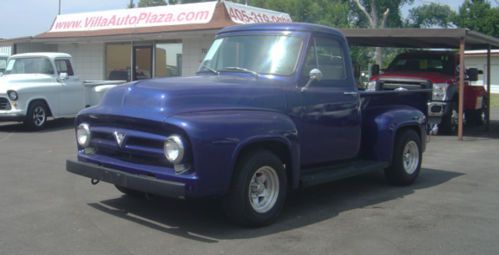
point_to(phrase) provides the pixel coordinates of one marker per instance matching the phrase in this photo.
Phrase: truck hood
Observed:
(433, 77)
(21, 81)
(169, 96)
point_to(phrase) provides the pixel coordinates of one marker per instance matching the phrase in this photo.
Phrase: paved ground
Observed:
(452, 209)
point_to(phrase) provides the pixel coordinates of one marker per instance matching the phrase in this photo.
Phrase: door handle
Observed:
(353, 93)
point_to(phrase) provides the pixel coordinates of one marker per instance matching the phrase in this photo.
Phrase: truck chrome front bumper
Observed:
(141, 183)
(12, 115)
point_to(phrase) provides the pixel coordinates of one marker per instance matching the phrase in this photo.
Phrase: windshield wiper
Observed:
(209, 69)
(242, 69)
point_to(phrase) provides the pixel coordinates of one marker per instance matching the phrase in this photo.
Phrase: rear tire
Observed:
(407, 157)
(36, 117)
(258, 190)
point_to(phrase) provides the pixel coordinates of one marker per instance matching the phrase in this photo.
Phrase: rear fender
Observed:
(381, 126)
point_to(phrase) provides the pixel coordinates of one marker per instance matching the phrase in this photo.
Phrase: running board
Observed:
(317, 176)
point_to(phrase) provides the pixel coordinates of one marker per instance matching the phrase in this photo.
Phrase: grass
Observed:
(494, 101)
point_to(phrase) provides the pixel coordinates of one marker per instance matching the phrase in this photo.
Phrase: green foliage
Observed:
(430, 15)
(147, 3)
(479, 16)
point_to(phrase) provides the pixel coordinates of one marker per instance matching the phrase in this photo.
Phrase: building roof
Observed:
(419, 38)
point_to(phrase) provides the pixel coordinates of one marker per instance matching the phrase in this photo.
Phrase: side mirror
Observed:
(63, 76)
(374, 69)
(314, 75)
(472, 74)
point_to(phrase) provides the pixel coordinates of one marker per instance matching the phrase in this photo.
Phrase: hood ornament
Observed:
(119, 137)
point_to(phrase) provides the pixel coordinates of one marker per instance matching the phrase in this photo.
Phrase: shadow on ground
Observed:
(203, 220)
(482, 131)
(51, 126)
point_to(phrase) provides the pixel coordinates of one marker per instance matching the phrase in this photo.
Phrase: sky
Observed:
(32, 17)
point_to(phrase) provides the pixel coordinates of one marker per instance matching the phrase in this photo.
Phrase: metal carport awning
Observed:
(458, 38)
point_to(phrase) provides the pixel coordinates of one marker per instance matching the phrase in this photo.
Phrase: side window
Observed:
(326, 54)
(64, 66)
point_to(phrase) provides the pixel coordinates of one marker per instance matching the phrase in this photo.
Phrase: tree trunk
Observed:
(378, 56)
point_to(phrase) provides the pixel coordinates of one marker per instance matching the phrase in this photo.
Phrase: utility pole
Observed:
(59, 13)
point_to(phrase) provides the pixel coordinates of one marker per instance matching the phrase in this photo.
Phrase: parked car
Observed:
(274, 107)
(439, 71)
(3, 62)
(36, 86)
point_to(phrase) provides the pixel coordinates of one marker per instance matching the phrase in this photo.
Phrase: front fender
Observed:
(381, 125)
(218, 137)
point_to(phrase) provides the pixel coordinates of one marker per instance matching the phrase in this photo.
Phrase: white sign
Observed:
(243, 14)
(181, 14)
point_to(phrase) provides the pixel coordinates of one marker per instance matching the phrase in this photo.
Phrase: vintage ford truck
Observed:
(35, 86)
(437, 70)
(274, 107)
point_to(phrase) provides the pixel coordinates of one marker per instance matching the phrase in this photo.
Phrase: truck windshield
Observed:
(29, 66)
(422, 63)
(256, 54)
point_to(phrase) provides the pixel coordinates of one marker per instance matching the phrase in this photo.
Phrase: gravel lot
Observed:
(453, 208)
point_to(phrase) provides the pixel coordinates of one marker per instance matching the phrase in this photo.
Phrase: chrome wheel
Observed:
(410, 157)
(263, 189)
(39, 116)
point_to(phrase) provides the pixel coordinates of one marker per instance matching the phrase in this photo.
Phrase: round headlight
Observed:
(174, 149)
(83, 135)
(12, 95)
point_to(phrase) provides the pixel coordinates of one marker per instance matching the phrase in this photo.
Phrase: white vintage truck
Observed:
(3, 62)
(36, 86)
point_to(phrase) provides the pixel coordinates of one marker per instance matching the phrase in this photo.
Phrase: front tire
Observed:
(258, 190)
(407, 157)
(36, 118)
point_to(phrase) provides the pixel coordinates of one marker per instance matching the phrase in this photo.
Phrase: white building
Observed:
(156, 41)
(478, 59)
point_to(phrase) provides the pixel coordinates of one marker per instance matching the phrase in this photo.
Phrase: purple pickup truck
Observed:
(273, 107)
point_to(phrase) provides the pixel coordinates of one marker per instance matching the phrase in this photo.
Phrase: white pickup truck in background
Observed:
(3, 62)
(35, 86)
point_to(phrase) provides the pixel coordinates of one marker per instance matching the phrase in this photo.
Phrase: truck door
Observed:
(72, 96)
(330, 116)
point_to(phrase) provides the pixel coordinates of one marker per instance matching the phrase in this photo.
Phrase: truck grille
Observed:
(409, 84)
(136, 147)
(4, 104)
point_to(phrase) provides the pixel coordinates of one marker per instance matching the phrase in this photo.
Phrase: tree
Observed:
(479, 16)
(430, 15)
(379, 14)
(147, 3)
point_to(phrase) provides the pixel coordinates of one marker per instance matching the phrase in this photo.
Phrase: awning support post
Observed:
(461, 89)
(487, 114)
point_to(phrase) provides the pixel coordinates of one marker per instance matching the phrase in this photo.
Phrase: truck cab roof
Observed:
(299, 27)
(50, 55)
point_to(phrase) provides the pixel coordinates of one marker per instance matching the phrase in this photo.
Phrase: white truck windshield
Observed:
(36, 65)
